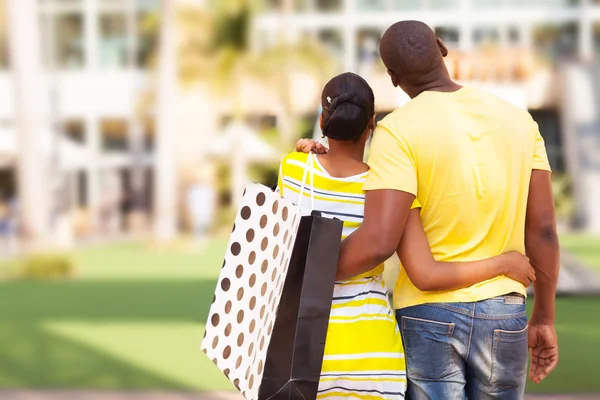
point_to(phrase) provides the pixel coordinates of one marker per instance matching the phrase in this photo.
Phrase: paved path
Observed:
(99, 395)
(102, 395)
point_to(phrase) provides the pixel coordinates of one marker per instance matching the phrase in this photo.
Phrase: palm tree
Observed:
(165, 225)
(215, 48)
(26, 64)
(219, 50)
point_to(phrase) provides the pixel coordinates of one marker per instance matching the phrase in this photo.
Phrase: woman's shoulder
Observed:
(295, 156)
(294, 163)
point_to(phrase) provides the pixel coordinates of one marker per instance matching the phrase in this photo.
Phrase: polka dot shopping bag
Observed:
(267, 325)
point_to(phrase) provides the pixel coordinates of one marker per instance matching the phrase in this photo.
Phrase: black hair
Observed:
(348, 106)
(410, 49)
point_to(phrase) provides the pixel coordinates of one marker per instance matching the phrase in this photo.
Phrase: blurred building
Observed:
(98, 82)
(96, 98)
(95, 55)
(538, 54)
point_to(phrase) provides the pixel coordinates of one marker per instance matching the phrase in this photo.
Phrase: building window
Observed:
(407, 4)
(371, 5)
(149, 132)
(490, 3)
(115, 136)
(8, 188)
(486, 36)
(4, 57)
(556, 41)
(597, 39)
(114, 4)
(332, 40)
(368, 51)
(75, 130)
(82, 189)
(514, 36)
(113, 40)
(68, 40)
(147, 28)
(148, 4)
(545, 3)
(449, 35)
(444, 4)
(328, 5)
(148, 23)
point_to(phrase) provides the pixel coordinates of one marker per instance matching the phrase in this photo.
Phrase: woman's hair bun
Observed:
(348, 106)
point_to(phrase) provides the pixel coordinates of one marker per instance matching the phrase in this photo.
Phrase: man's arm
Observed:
(378, 237)
(390, 188)
(541, 244)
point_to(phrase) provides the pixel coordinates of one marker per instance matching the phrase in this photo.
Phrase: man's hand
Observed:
(544, 351)
(310, 146)
(541, 244)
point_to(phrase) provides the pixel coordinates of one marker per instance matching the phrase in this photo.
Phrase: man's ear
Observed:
(394, 78)
(372, 122)
(443, 48)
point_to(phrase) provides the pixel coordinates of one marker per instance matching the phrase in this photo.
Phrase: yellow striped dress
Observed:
(364, 357)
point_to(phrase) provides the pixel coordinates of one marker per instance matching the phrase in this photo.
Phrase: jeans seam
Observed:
(450, 308)
(501, 317)
(470, 339)
(450, 325)
(494, 347)
(498, 332)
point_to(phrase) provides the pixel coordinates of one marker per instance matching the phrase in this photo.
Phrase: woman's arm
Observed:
(427, 274)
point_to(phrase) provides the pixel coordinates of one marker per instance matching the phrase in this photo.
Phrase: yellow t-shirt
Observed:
(341, 198)
(468, 157)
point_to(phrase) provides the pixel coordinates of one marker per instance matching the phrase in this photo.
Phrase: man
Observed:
(479, 168)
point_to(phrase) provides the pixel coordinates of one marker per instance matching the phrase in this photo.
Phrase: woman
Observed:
(363, 352)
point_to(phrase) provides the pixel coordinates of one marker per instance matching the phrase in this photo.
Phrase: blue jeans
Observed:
(466, 350)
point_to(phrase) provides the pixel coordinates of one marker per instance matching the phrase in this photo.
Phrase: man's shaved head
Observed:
(411, 51)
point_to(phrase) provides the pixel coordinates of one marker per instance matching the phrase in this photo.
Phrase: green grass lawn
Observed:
(584, 247)
(133, 318)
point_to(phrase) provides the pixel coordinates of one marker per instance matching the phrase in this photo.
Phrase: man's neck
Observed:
(437, 81)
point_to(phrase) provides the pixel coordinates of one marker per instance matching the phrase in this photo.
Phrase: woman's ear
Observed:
(321, 122)
(372, 123)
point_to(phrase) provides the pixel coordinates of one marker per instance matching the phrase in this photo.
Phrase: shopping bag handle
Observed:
(308, 170)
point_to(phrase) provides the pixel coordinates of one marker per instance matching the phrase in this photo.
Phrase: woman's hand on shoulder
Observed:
(310, 146)
(518, 267)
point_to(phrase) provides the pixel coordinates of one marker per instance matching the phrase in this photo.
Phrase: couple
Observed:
(458, 184)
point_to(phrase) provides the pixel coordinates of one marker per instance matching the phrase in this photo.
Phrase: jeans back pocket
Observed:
(428, 347)
(509, 359)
